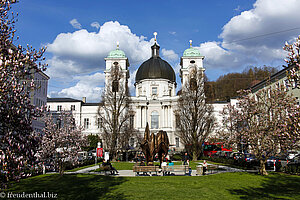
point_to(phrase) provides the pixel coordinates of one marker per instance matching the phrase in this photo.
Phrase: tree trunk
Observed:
(195, 152)
(262, 169)
(195, 156)
(61, 168)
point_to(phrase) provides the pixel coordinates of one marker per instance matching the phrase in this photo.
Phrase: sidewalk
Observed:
(130, 173)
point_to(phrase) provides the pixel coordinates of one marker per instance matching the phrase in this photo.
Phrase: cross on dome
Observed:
(118, 44)
(191, 43)
(155, 34)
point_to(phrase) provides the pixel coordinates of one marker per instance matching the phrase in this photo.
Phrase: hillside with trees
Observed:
(226, 86)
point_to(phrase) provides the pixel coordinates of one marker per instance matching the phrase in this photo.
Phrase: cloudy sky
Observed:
(231, 34)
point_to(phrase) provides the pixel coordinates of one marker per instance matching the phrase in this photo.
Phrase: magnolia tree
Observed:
(194, 118)
(293, 62)
(263, 121)
(62, 141)
(18, 143)
(230, 129)
(114, 114)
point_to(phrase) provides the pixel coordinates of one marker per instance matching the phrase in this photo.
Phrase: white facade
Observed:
(38, 96)
(154, 103)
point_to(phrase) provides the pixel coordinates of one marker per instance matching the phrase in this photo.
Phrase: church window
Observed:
(192, 61)
(154, 90)
(59, 107)
(58, 123)
(72, 107)
(177, 142)
(86, 123)
(131, 121)
(154, 120)
(99, 122)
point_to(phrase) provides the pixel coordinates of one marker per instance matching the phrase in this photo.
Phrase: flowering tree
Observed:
(18, 143)
(62, 141)
(293, 62)
(230, 129)
(114, 114)
(263, 121)
(194, 118)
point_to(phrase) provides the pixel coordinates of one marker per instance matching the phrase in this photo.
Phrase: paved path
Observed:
(130, 173)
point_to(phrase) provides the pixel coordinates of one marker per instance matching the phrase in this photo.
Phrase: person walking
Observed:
(204, 167)
(186, 160)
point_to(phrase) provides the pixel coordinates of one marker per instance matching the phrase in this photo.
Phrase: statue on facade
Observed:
(155, 144)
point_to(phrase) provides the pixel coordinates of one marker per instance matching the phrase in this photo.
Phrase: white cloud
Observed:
(255, 37)
(90, 86)
(169, 55)
(81, 52)
(96, 25)
(172, 32)
(84, 52)
(75, 24)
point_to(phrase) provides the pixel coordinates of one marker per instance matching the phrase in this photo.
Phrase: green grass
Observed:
(218, 186)
(79, 168)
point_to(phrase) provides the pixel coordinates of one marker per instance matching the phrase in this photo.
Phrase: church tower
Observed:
(116, 71)
(191, 60)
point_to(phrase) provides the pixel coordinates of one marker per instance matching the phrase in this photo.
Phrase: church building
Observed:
(155, 100)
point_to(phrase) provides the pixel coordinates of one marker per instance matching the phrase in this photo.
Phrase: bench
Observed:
(176, 168)
(107, 170)
(211, 168)
(144, 170)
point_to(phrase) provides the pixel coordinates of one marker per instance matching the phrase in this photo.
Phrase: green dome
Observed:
(116, 54)
(191, 52)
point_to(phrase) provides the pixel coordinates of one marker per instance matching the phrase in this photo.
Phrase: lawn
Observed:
(219, 186)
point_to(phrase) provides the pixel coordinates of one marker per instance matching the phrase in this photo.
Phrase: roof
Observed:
(155, 68)
(278, 75)
(117, 53)
(62, 100)
(191, 52)
(92, 104)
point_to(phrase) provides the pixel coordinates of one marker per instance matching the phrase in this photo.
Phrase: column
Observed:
(137, 116)
(167, 118)
(171, 117)
(146, 116)
(141, 116)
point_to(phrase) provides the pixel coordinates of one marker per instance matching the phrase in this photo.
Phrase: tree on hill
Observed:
(226, 86)
(18, 142)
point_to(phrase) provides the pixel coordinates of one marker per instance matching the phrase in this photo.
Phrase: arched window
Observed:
(154, 120)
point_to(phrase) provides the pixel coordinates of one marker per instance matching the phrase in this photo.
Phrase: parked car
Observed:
(292, 154)
(273, 162)
(296, 159)
(236, 155)
(249, 157)
(91, 154)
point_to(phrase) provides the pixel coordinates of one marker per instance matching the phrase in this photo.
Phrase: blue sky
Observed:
(231, 34)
